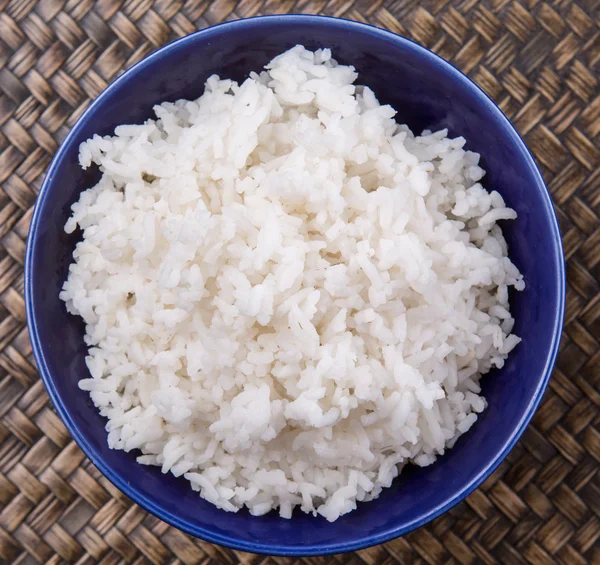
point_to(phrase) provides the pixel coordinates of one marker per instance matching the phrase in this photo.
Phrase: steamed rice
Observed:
(287, 295)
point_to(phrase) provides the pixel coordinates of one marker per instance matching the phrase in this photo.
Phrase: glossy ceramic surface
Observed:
(428, 93)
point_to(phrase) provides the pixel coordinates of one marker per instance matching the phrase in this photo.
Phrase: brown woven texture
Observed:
(540, 60)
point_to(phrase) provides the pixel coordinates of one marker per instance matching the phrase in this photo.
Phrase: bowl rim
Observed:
(277, 548)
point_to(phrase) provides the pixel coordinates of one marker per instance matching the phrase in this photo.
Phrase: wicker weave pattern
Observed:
(540, 60)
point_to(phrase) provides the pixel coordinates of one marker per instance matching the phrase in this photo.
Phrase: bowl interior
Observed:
(427, 93)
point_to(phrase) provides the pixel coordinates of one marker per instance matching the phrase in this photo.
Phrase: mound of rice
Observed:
(287, 295)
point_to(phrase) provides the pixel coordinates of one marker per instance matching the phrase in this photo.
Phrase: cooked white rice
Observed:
(287, 295)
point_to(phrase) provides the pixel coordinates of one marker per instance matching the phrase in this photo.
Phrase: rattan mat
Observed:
(540, 60)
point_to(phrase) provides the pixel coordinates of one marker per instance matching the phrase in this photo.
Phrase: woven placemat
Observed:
(540, 60)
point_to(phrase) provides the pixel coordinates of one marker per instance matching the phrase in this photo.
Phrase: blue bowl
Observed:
(428, 93)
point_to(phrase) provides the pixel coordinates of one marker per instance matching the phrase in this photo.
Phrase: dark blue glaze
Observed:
(427, 92)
